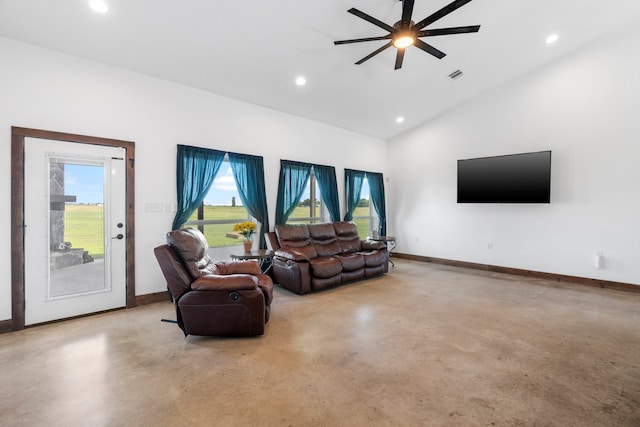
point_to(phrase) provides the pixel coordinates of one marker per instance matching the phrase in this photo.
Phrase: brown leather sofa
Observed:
(318, 256)
(221, 298)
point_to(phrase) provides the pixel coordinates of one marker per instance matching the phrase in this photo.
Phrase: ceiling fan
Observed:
(406, 33)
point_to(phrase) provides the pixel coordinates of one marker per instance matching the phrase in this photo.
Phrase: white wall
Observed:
(585, 108)
(43, 89)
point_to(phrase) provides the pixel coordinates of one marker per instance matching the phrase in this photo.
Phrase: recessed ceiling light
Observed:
(301, 81)
(552, 39)
(400, 120)
(99, 6)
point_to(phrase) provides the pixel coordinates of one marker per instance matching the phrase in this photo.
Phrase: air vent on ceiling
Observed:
(456, 74)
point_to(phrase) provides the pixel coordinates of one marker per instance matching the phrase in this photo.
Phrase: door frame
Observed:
(18, 136)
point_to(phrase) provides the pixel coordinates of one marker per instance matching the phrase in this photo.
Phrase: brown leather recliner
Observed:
(221, 298)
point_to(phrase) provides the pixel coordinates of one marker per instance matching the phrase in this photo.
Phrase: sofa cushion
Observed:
(235, 282)
(374, 258)
(325, 266)
(296, 237)
(374, 271)
(191, 246)
(350, 262)
(323, 237)
(323, 283)
(348, 276)
(347, 236)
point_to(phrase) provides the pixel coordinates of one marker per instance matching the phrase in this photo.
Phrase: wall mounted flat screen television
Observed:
(515, 178)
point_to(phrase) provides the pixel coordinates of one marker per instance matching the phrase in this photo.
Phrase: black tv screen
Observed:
(515, 178)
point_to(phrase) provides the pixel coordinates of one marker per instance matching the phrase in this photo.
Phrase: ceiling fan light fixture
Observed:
(404, 40)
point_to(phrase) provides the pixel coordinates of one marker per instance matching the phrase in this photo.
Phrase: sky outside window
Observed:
(223, 189)
(84, 182)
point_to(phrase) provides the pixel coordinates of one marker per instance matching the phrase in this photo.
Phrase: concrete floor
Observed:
(425, 345)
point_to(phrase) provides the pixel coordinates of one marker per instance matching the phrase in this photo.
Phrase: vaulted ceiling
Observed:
(254, 50)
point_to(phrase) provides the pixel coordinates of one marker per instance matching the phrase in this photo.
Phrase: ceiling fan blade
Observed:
(399, 58)
(429, 49)
(442, 12)
(407, 10)
(366, 39)
(371, 19)
(374, 53)
(446, 31)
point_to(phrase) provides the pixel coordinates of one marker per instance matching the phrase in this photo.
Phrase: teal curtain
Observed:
(326, 177)
(196, 170)
(352, 187)
(293, 179)
(376, 187)
(248, 172)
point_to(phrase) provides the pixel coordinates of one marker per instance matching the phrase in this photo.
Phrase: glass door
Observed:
(74, 234)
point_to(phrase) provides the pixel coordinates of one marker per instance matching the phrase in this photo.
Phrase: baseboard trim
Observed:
(596, 283)
(6, 326)
(153, 298)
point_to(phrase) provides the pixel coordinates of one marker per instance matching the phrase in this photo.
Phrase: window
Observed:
(371, 184)
(220, 210)
(310, 209)
(365, 215)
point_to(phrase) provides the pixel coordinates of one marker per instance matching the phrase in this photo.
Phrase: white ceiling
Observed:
(253, 50)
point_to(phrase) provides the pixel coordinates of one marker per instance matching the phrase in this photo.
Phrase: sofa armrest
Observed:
(233, 282)
(369, 244)
(265, 284)
(249, 266)
(291, 254)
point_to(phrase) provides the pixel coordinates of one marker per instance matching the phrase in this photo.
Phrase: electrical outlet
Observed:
(490, 245)
(153, 207)
(599, 261)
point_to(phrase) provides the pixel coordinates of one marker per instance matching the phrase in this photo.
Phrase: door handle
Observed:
(119, 237)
